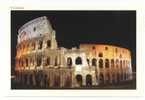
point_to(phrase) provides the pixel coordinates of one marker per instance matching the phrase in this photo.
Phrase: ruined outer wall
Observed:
(112, 63)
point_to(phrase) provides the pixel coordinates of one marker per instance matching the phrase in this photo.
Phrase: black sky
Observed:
(75, 27)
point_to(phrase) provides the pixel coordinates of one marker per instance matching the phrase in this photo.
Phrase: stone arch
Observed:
(124, 76)
(27, 62)
(100, 63)
(88, 80)
(56, 61)
(94, 62)
(46, 81)
(100, 54)
(39, 61)
(107, 78)
(48, 43)
(40, 43)
(106, 63)
(68, 81)
(33, 45)
(121, 65)
(118, 78)
(121, 77)
(79, 79)
(88, 61)
(31, 79)
(78, 61)
(56, 81)
(117, 63)
(69, 61)
(38, 79)
(101, 79)
(113, 78)
(47, 61)
(25, 79)
(112, 63)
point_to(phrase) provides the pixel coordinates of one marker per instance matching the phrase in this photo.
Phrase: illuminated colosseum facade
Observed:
(40, 62)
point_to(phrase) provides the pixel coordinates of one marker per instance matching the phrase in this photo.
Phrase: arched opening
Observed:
(107, 78)
(31, 79)
(79, 79)
(69, 61)
(94, 62)
(33, 46)
(112, 63)
(101, 79)
(26, 62)
(56, 81)
(124, 77)
(30, 61)
(100, 55)
(121, 65)
(46, 81)
(38, 79)
(101, 63)
(88, 61)
(48, 43)
(113, 78)
(117, 63)
(88, 80)
(25, 79)
(40, 45)
(56, 61)
(118, 78)
(68, 81)
(107, 63)
(78, 61)
(39, 61)
(121, 75)
(48, 61)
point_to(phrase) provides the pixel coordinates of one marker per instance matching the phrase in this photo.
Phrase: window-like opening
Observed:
(40, 45)
(121, 65)
(56, 61)
(120, 55)
(88, 61)
(78, 61)
(48, 61)
(33, 46)
(68, 81)
(106, 48)
(88, 80)
(69, 61)
(34, 29)
(107, 63)
(56, 81)
(117, 63)
(79, 79)
(93, 48)
(107, 78)
(112, 63)
(22, 63)
(38, 61)
(100, 55)
(26, 62)
(101, 63)
(48, 43)
(116, 50)
(94, 62)
(101, 79)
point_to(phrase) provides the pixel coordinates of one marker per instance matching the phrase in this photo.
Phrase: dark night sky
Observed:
(75, 27)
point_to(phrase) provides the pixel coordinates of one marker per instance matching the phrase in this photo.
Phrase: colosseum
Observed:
(40, 62)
